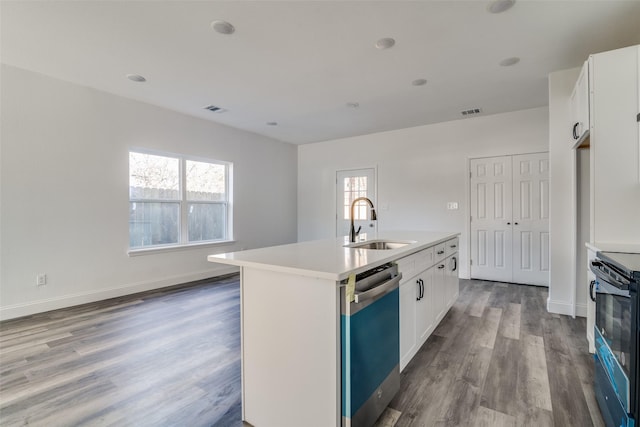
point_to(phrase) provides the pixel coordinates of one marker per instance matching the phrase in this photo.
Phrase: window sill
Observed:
(175, 248)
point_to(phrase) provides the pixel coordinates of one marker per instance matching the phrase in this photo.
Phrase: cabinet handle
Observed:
(453, 246)
(575, 131)
(441, 266)
(420, 289)
(455, 263)
(515, 223)
(508, 223)
(591, 286)
(440, 252)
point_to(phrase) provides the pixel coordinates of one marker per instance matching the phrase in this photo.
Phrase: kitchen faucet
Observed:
(352, 232)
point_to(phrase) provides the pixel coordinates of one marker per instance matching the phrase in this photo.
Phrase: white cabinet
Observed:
(451, 278)
(615, 147)
(580, 105)
(424, 311)
(438, 300)
(428, 289)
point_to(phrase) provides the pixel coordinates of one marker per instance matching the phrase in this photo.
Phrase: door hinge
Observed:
(470, 175)
(638, 118)
(470, 262)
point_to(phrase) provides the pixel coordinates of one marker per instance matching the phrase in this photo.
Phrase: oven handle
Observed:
(591, 286)
(618, 282)
(385, 287)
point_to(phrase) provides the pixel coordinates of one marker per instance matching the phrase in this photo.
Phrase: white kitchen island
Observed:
(290, 322)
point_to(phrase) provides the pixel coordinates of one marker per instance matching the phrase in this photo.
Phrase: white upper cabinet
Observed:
(615, 146)
(580, 106)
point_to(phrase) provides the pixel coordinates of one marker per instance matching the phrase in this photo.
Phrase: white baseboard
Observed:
(581, 310)
(28, 308)
(563, 307)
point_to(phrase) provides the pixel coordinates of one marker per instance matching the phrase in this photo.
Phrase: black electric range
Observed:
(617, 329)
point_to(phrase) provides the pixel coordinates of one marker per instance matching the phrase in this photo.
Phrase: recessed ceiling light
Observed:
(223, 27)
(499, 6)
(272, 123)
(509, 61)
(136, 78)
(353, 104)
(419, 82)
(385, 43)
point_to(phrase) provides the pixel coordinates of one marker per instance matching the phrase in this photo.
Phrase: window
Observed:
(175, 200)
(354, 187)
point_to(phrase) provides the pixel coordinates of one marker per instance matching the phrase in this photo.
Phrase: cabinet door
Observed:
(439, 290)
(424, 313)
(452, 290)
(580, 104)
(409, 292)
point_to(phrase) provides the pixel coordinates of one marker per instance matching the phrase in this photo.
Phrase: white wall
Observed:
(561, 214)
(64, 192)
(420, 169)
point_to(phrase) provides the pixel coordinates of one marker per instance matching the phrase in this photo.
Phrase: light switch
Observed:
(452, 206)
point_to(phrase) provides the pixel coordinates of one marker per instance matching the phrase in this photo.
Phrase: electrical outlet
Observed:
(41, 279)
(452, 205)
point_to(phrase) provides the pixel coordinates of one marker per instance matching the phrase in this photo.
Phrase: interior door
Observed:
(510, 218)
(491, 254)
(531, 219)
(351, 184)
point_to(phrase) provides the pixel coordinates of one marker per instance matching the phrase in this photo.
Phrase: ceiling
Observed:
(299, 63)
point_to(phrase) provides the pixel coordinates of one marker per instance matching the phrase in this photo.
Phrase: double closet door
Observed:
(510, 218)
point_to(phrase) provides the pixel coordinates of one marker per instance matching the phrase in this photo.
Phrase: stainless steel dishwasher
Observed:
(370, 339)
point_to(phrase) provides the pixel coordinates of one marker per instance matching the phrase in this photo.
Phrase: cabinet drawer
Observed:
(439, 252)
(451, 247)
(407, 266)
(424, 259)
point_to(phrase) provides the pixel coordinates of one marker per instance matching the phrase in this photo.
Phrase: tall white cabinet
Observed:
(613, 174)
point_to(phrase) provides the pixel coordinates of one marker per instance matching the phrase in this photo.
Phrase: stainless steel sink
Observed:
(378, 245)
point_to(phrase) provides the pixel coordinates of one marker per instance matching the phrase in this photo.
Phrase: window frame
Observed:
(183, 201)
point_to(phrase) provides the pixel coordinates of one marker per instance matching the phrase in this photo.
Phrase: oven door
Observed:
(614, 326)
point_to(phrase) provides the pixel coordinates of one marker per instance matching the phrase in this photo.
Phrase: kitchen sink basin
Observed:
(378, 245)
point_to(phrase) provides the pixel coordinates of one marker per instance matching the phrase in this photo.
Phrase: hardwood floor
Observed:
(498, 358)
(168, 357)
(172, 357)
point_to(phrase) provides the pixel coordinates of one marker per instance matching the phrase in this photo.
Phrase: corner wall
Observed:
(562, 223)
(420, 169)
(64, 192)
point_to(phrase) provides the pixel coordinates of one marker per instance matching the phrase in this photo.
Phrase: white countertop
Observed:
(614, 247)
(329, 259)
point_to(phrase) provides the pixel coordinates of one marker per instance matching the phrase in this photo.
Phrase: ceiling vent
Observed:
(214, 109)
(471, 112)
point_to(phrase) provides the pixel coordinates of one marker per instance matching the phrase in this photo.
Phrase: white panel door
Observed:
(491, 253)
(531, 219)
(510, 218)
(351, 184)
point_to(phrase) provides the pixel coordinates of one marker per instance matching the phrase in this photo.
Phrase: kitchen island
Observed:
(290, 319)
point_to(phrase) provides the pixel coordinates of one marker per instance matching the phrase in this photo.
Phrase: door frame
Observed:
(335, 193)
(467, 190)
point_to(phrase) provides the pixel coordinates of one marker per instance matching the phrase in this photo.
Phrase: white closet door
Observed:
(510, 218)
(531, 219)
(491, 193)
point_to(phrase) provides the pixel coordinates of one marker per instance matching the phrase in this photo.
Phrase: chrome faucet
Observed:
(352, 232)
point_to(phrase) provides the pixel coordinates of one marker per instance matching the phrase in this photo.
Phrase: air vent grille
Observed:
(214, 109)
(471, 112)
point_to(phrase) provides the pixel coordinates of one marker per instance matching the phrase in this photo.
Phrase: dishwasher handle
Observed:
(383, 288)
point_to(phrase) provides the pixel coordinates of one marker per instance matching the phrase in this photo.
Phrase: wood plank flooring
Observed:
(172, 358)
